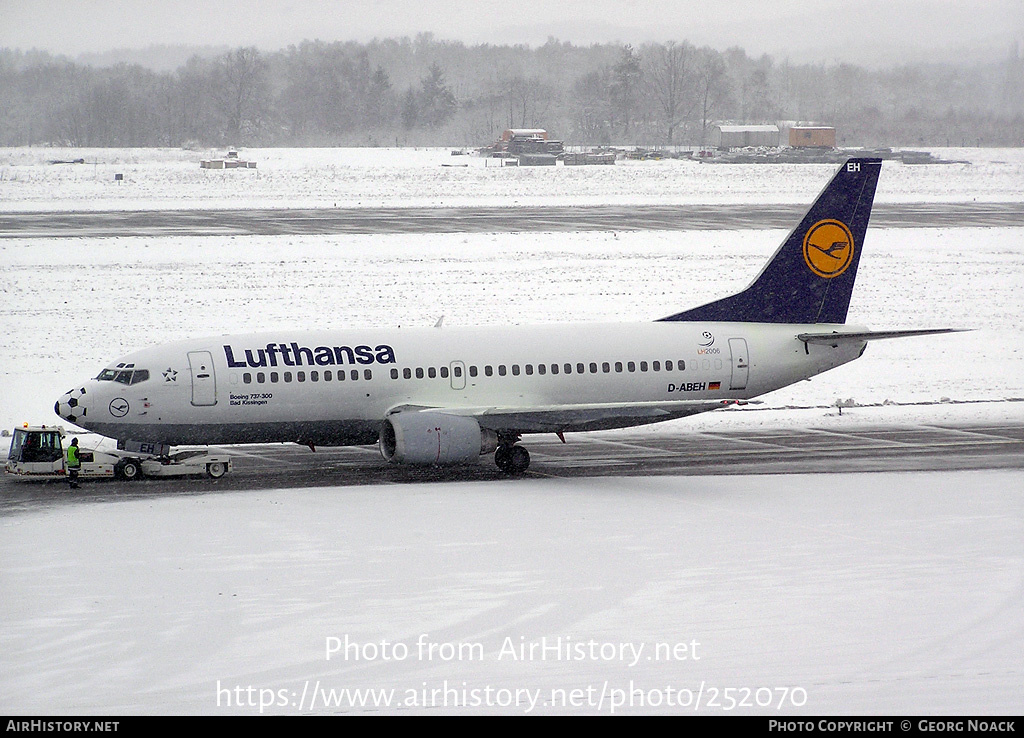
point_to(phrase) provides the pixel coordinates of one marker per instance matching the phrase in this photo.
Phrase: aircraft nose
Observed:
(73, 405)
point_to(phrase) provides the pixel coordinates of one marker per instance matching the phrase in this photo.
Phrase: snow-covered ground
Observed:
(171, 178)
(880, 593)
(844, 594)
(71, 306)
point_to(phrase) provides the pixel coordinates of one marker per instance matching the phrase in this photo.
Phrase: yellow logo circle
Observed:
(828, 248)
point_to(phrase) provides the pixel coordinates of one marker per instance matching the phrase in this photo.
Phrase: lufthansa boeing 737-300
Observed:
(450, 395)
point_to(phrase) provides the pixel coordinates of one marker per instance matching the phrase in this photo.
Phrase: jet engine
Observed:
(434, 438)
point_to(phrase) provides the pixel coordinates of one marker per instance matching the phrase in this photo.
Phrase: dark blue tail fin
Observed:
(810, 278)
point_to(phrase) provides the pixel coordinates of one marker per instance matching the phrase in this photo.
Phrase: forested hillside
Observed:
(425, 92)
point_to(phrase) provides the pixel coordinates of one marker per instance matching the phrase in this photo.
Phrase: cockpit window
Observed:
(124, 376)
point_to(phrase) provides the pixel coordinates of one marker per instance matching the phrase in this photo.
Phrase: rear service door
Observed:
(740, 363)
(204, 382)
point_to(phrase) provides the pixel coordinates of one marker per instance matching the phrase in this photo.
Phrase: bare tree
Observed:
(527, 100)
(242, 89)
(196, 107)
(669, 76)
(592, 108)
(625, 89)
(712, 88)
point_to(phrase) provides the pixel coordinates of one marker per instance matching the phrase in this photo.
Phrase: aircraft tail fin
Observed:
(810, 277)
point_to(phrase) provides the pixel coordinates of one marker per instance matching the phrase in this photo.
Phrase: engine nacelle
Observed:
(434, 439)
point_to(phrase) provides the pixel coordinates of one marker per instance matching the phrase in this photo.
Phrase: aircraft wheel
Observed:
(216, 470)
(128, 469)
(512, 459)
(503, 458)
(520, 460)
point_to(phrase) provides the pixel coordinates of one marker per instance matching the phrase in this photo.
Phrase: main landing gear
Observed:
(510, 458)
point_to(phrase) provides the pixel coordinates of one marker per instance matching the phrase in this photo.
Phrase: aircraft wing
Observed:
(835, 338)
(585, 417)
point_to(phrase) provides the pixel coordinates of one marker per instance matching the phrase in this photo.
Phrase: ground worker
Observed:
(74, 464)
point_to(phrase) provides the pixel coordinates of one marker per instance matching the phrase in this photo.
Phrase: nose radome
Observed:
(73, 405)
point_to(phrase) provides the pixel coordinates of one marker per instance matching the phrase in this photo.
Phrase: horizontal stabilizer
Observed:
(835, 338)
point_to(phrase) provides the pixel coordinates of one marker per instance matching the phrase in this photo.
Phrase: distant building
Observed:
(231, 161)
(517, 141)
(736, 136)
(812, 137)
(511, 133)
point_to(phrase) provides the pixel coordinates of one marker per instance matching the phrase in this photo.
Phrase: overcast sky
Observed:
(803, 30)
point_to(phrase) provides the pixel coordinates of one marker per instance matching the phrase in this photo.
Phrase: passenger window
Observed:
(367, 374)
(432, 373)
(327, 375)
(394, 374)
(515, 370)
(542, 369)
(355, 374)
(554, 368)
(567, 368)
(300, 376)
(261, 377)
(606, 367)
(529, 370)
(457, 371)
(656, 366)
(407, 373)
(593, 368)
(444, 372)
(247, 378)
(419, 372)
(643, 366)
(501, 370)
(618, 366)
(287, 376)
(488, 370)
(314, 376)
(472, 371)
(631, 366)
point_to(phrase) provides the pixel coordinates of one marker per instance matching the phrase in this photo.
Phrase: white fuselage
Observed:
(335, 387)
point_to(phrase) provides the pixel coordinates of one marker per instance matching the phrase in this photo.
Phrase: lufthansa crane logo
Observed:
(828, 248)
(119, 407)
